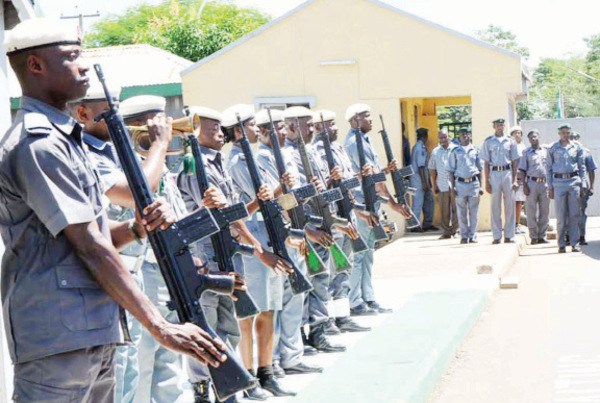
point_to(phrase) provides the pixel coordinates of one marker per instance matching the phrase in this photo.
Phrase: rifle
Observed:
(224, 245)
(368, 183)
(172, 250)
(400, 179)
(298, 216)
(321, 205)
(345, 205)
(272, 214)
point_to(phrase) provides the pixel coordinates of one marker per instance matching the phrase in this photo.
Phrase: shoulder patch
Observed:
(37, 124)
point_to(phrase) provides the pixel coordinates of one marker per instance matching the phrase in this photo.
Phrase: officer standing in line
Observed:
(61, 249)
(438, 166)
(339, 287)
(501, 156)
(588, 190)
(565, 171)
(532, 170)
(464, 169)
(423, 197)
(516, 132)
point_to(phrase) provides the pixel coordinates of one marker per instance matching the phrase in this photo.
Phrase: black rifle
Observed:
(172, 250)
(369, 183)
(272, 213)
(321, 205)
(345, 205)
(224, 245)
(400, 179)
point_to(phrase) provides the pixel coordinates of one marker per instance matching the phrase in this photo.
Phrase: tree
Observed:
(503, 39)
(176, 27)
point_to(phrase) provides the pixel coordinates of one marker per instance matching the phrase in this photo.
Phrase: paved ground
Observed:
(538, 343)
(437, 297)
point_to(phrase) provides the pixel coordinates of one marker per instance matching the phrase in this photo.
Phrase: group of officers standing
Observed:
(515, 175)
(79, 277)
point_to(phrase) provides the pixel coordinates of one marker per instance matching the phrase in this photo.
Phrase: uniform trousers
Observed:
(537, 205)
(339, 286)
(423, 201)
(567, 204)
(467, 207)
(361, 283)
(501, 182)
(315, 304)
(287, 345)
(585, 197)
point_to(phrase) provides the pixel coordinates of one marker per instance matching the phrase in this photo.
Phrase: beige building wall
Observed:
(338, 52)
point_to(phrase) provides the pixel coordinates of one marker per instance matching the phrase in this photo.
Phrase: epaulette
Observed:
(37, 124)
(489, 137)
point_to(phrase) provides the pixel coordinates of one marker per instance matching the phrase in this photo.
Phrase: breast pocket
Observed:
(83, 304)
(90, 183)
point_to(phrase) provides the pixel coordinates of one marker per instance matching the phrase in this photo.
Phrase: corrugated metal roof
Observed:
(128, 66)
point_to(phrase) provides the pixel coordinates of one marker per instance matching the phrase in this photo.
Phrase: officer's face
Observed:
(534, 139)
(443, 138)
(465, 138)
(332, 129)
(252, 130)
(499, 128)
(517, 135)
(281, 132)
(210, 135)
(65, 74)
(307, 129)
(564, 134)
(85, 115)
(365, 122)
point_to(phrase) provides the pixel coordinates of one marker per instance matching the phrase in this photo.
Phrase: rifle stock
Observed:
(171, 247)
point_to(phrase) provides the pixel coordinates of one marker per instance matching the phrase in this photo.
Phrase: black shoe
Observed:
(348, 325)
(575, 249)
(318, 340)
(302, 368)
(543, 240)
(473, 240)
(201, 392)
(495, 242)
(255, 393)
(464, 241)
(362, 310)
(582, 241)
(417, 230)
(534, 241)
(509, 240)
(308, 349)
(376, 307)
(331, 329)
(278, 371)
(445, 236)
(270, 384)
(562, 250)
(431, 228)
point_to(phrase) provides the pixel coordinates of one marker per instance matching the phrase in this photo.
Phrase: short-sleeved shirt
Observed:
(439, 163)
(590, 164)
(499, 151)
(564, 160)
(533, 162)
(465, 161)
(340, 157)
(370, 158)
(51, 303)
(267, 164)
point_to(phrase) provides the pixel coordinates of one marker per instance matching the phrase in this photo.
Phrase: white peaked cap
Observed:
(262, 116)
(142, 104)
(206, 113)
(39, 33)
(246, 111)
(355, 109)
(327, 115)
(297, 112)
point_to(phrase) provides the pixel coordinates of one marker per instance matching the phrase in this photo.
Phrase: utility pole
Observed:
(80, 17)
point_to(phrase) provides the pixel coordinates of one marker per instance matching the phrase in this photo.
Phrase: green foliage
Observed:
(453, 114)
(176, 27)
(503, 39)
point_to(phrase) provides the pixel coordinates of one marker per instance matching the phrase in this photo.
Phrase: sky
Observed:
(549, 28)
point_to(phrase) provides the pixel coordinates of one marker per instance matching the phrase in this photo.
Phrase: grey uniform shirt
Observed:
(370, 158)
(533, 162)
(51, 303)
(564, 160)
(590, 165)
(499, 151)
(465, 162)
(340, 158)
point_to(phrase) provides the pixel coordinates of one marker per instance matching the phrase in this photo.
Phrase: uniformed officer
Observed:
(438, 166)
(339, 287)
(362, 294)
(516, 132)
(288, 344)
(264, 281)
(316, 313)
(61, 274)
(500, 158)
(423, 197)
(532, 170)
(565, 170)
(588, 190)
(464, 169)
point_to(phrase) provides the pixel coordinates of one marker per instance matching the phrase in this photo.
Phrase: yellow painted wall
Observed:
(396, 57)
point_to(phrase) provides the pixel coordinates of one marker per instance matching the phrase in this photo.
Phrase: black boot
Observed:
(202, 392)
(317, 339)
(331, 328)
(346, 324)
(308, 349)
(269, 383)
(277, 370)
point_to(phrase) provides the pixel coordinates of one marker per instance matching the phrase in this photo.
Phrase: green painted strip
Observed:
(15, 103)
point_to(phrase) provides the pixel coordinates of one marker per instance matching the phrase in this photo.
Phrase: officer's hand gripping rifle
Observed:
(345, 205)
(321, 205)
(172, 250)
(400, 179)
(272, 213)
(369, 183)
(224, 245)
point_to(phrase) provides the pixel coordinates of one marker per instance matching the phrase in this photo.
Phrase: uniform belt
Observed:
(565, 176)
(501, 167)
(467, 180)
(535, 179)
